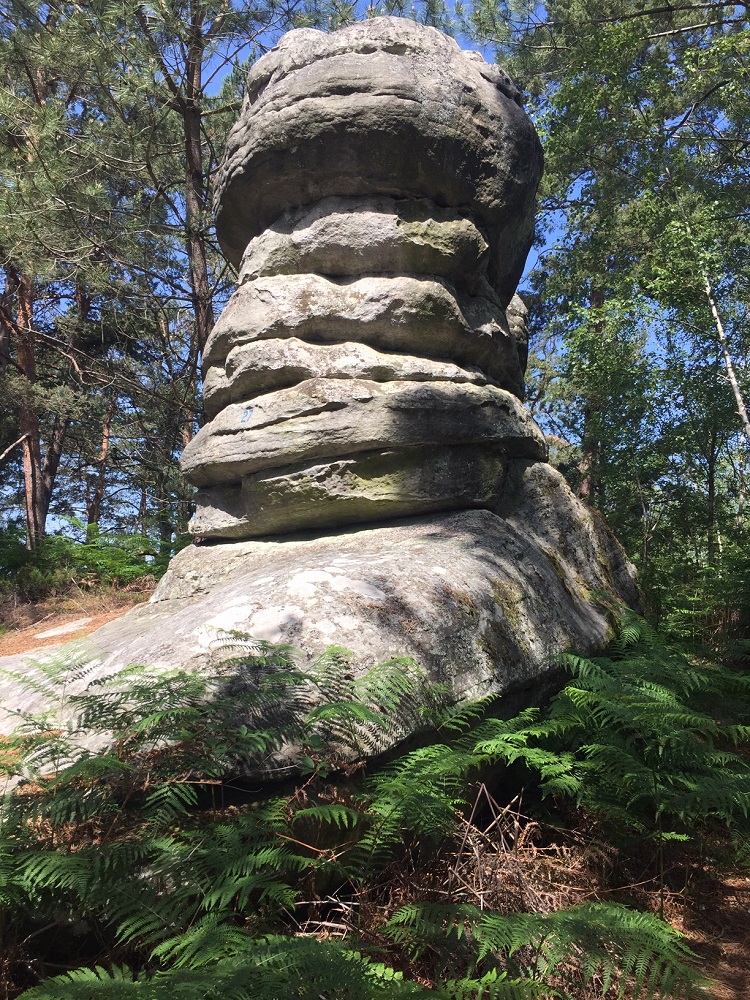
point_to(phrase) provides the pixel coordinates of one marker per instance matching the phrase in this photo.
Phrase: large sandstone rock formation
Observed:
(383, 108)
(369, 475)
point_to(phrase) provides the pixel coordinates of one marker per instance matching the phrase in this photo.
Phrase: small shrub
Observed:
(61, 562)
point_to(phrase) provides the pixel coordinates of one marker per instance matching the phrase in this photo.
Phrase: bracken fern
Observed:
(186, 897)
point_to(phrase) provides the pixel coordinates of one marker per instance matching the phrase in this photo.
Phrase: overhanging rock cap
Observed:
(383, 107)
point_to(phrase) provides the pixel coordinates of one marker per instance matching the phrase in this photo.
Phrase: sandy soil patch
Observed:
(52, 626)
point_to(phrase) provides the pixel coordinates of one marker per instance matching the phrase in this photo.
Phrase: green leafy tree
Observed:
(78, 226)
(643, 113)
(110, 139)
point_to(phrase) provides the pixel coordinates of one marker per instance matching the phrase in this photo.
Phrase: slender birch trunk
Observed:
(728, 363)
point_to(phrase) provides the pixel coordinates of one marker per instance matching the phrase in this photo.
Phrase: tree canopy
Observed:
(641, 286)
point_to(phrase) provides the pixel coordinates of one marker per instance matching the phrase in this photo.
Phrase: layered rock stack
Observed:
(377, 198)
(365, 386)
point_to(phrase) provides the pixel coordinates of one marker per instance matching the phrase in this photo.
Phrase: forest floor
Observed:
(26, 626)
(713, 911)
(718, 930)
(554, 868)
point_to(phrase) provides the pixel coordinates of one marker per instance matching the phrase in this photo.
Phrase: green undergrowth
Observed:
(61, 562)
(143, 852)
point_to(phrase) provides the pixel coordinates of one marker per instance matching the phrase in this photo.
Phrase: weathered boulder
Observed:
(481, 600)
(384, 107)
(369, 332)
(369, 486)
(370, 476)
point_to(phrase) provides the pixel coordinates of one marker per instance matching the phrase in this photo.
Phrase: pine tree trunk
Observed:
(38, 477)
(719, 327)
(590, 486)
(39, 470)
(142, 513)
(195, 184)
(187, 103)
(6, 321)
(37, 503)
(95, 499)
(711, 498)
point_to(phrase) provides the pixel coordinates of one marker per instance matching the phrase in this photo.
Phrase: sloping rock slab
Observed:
(481, 601)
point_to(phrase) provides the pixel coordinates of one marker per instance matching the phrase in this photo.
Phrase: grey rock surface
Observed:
(368, 445)
(365, 236)
(517, 317)
(377, 192)
(385, 107)
(370, 486)
(481, 600)
(424, 317)
(326, 418)
(266, 365)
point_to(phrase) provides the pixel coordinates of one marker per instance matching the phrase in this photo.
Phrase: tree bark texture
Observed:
(37, 504)
(195, 182)
(95, 497)
(590, 486)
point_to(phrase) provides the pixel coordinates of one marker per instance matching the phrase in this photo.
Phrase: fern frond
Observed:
(204, 943)
(333, 813)
(606, 941)
(257, 652)
(495, 985)
(169, 801)
(462, 716)
(114, 983)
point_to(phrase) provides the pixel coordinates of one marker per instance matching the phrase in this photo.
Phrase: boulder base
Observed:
(482, 601)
